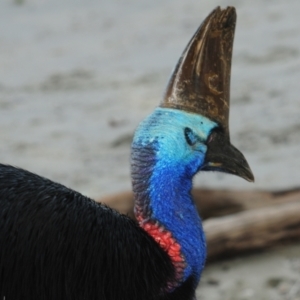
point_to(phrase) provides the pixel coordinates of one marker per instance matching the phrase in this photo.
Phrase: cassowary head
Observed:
(189, 130)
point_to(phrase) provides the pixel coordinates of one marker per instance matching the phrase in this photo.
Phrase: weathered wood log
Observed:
(253, 229)
(214, 203)
(243, 220)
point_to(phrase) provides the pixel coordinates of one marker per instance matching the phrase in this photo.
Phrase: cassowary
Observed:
(58, 244)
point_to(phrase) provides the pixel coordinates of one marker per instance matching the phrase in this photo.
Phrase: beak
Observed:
(224, 157)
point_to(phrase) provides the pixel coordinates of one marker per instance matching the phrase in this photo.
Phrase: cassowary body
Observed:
(57, 244)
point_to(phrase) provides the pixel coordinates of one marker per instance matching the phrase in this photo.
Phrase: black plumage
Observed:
(60, 244)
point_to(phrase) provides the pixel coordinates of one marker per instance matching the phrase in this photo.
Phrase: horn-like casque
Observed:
(200, 82)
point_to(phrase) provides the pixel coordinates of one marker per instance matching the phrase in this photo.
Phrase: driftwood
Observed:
(238, 221)
(214, 203)
(253, 229)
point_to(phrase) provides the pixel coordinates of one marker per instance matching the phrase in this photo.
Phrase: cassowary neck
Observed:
(165, 209)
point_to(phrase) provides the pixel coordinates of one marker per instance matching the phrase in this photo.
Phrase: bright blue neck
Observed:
(162, 184)
(172, 205)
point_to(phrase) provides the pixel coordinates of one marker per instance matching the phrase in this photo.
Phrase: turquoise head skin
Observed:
(179, 138)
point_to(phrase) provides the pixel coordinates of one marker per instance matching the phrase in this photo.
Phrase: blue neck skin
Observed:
(163, 165)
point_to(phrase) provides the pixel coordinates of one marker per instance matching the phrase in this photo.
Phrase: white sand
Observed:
(76, 77)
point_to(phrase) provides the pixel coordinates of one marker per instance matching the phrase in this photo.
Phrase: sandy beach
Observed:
(76, 77)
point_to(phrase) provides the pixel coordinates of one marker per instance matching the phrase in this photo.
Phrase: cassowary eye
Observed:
(190, 136)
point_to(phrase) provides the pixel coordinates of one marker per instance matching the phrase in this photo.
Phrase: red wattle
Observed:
(169, 244)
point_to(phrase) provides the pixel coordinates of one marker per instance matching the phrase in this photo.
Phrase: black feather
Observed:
(57, 244)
